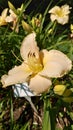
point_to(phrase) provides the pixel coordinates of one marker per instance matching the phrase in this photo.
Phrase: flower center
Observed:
(60, 13)
(34, 63)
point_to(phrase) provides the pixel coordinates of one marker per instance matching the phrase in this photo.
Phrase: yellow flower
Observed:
(60, 14)
(59, 89)
(38, 67)
(12, 18)
(3, 17)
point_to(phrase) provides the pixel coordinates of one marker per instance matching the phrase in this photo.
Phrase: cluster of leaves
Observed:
(10, 42)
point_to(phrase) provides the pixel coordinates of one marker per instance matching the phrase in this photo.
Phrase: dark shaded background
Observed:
(38, 5)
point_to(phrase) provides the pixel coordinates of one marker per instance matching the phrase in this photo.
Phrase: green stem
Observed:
(52, 26)
(11, 113)
(54, 46)
(49, 116)
(46, 118)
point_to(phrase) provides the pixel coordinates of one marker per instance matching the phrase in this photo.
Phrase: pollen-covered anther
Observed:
(34, 62)
(30, 54)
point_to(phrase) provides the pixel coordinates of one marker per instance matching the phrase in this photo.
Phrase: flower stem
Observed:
(49, 116)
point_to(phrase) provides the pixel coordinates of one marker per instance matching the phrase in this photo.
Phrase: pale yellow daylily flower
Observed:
(3, 17)
(60, 14)
(12, 18)
(37, 67)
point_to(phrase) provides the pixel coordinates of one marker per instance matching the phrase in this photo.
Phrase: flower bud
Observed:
(35, 22)
(68, 99)
(67, 93)
(71, 28)
(50, 31)
(27, 27)
(59, 89)
(12, 7)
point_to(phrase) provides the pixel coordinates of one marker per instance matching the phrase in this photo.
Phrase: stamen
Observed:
(30, 54)
(34, 63)
(34, 54)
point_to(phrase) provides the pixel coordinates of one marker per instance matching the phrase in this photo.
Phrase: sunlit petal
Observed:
(29, 45)
(52, 17)
(4, 12)
(12, 17)
(66, 9)
(15, 75)
(39, 84)
(2, 17)
(9, 19)
(56, 63)
(63, 20)
(12, 13)
(54, 10)
(59, 19)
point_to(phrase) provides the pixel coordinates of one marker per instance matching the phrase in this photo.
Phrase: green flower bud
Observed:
(68, 99)
(27, 27)
(12, 7)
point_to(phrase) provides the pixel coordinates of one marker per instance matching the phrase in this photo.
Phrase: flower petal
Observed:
(2, 17)
(39, 84)
(15, 75)
(9, 19)
(29, 45)
(53, 17)
(12, 17)
(4, 13)
(66, 9)
(54, 10)
(56, 63)
(63, 20)
(12, 13)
